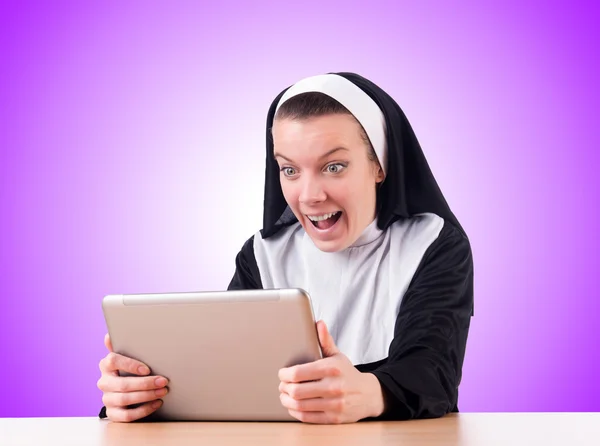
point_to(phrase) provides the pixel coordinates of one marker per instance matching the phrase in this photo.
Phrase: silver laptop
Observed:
(221, 351)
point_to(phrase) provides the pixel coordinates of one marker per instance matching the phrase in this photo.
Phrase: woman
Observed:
(354, 216)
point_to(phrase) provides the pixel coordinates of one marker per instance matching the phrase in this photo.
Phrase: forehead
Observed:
(316, 133)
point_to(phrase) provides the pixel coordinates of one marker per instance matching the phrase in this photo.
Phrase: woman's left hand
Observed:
(330, 390)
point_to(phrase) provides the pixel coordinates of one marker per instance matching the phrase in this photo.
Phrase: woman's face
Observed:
(327, 178)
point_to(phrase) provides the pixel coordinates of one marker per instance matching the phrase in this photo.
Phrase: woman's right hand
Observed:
(119, 392)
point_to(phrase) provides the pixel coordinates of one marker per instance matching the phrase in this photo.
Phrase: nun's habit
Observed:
(398, 302)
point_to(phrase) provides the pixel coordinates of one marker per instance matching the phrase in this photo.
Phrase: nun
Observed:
(354, 216)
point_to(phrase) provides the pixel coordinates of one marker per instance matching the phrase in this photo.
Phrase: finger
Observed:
(121, 414)
(110, 383)
(107, 342)
(311, 371)
(116, 399)
(328, 346)
(323, 388)
(313, 404)
(114, 361)
(314, 417)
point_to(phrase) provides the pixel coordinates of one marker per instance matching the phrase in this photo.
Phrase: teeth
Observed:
(321, 217)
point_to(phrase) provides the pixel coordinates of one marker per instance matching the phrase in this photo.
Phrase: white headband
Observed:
(364, 109)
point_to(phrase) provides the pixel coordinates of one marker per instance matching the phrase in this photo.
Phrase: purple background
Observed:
(132, 151)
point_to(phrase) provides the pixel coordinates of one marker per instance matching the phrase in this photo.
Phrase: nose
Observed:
(311, 192)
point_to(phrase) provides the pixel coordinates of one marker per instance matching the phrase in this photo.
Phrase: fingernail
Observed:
(160, 382)
(156, 404)
(143, 370)
(160, 392)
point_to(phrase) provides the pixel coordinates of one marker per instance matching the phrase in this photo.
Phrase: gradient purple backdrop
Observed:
(132, 151)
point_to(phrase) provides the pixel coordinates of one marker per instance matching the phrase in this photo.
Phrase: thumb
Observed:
(326, 340)
(107, 342)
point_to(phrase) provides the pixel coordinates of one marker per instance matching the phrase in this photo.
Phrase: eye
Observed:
(288, 171)
(335, 168)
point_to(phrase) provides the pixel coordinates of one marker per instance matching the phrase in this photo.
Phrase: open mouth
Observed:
(325, 221)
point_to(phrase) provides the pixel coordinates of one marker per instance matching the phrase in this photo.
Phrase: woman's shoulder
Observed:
(427, 229)
(416, 234)
(427, 241)
(430, 246)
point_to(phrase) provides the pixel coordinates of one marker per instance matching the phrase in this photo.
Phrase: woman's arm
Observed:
(421, 376)
(246, 276)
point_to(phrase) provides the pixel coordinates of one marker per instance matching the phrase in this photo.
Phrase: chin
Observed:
(330, 246)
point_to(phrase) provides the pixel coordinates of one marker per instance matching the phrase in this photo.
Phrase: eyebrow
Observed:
(331, 152)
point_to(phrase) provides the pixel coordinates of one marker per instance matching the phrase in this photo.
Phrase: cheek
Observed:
(341, 192)
(290, 193)
(356, 192)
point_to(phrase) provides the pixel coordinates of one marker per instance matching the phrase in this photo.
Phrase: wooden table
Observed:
(482, 429)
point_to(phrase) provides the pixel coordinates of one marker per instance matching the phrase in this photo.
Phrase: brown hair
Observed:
(313, 104)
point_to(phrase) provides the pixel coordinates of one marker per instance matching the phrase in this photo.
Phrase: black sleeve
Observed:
(246, 275)
(423, 370)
